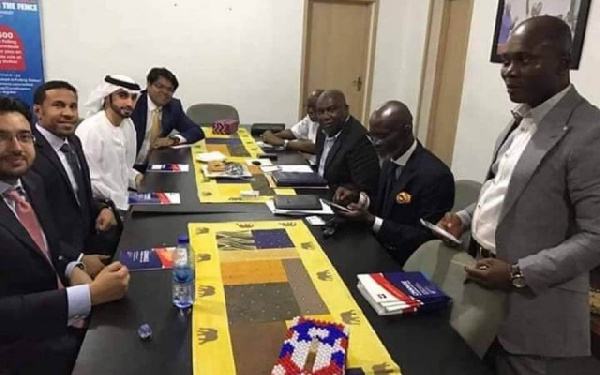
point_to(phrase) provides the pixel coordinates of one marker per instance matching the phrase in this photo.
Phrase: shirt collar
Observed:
(334, 137)
(151, 105)
(403, 159)
(5, 186)
(55, 141)
(538, 113)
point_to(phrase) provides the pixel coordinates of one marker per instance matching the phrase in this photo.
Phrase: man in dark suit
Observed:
(157, 113)
(345, 157)
(414, 184)
(43, 296)
(61, 163)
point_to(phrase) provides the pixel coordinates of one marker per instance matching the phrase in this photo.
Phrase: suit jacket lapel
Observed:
(9, 220)
(338, 143)
(140, 119)
(408, 173)
(550, 131)
(165, 121)
(46, 149)
(499, 142)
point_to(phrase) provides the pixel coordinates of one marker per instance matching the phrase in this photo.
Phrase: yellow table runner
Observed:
(237, 148)
(252, 279)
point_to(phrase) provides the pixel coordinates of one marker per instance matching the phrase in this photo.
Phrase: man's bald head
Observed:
(395, 114)
(332, 111)
(546, 31)
(536, 60)
(390, 128)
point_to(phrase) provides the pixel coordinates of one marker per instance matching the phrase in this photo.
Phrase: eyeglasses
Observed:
(22, 138)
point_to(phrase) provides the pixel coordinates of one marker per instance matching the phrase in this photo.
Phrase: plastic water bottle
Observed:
(183, 274)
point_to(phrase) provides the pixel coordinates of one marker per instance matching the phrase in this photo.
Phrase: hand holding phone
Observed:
(335, 205)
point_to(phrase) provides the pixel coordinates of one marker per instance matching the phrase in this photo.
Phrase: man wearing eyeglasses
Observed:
(43, 296)
(157, 114)
(413, 184)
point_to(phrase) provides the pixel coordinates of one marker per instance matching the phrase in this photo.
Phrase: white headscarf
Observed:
(111, 84)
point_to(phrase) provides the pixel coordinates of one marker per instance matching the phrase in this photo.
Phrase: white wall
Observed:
(485, 108)
(243, 52)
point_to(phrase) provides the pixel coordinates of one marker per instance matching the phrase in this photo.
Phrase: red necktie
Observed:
(29, 220)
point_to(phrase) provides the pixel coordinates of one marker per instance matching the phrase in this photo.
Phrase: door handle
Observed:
(357, 83)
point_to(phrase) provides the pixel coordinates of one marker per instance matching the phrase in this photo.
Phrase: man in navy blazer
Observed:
(413, 184)
(157, 113)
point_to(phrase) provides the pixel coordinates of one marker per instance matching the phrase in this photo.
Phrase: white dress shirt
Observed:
(144, 150)
(306, 129)
(364, 200)
(79, 302)
(56, 143)
(491, 199)
(327, 145)
(110, 153)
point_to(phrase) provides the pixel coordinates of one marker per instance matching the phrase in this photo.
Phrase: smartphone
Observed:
(268, 155)
(335, 205)
(441, 232)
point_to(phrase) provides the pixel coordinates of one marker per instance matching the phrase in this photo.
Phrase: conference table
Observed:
(419, 344)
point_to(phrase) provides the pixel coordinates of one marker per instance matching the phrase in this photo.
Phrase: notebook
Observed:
(298, 179)
(297, 202)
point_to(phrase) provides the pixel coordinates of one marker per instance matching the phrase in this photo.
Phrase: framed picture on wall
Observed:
(512, 12)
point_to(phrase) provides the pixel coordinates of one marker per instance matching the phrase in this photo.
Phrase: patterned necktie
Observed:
(76, 169)
(155, 128)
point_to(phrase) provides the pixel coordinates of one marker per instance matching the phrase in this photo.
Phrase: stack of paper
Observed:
(169, 168)
(266, 146)
(397, 293)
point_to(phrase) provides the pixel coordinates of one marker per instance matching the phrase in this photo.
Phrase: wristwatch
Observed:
(175, 139)
(517, 278)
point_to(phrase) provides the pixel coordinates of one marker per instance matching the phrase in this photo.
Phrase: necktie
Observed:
(76, 169)
(29, 220)
(155, 128)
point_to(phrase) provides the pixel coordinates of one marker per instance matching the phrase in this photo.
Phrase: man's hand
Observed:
(79, 277)
(105, 220)
(94, 263)
(345, 196)
(272, 139)
(163, 142)
(491, 273)
(138, 181)
(110, 285)
(357, 213)
(452, 224)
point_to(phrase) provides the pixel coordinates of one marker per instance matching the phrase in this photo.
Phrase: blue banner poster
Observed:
(21, 63)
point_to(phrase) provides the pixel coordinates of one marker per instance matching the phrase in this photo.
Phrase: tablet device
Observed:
(335, 205)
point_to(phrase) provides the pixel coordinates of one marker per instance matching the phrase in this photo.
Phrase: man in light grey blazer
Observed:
(536, 225)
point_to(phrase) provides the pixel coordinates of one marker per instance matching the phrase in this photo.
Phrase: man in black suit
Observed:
(157, 113)
(61, 163)
(414, 184)
(345, 157)
(43, 296)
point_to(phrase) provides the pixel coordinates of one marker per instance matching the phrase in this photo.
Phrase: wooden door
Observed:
(441, 109)
(337, 50)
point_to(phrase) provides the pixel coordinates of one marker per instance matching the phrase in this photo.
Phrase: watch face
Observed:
(518, 282)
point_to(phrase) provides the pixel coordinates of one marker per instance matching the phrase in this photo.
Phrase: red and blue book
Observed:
(397, 293)
(169, 168)
(147, 259)
(154, 198)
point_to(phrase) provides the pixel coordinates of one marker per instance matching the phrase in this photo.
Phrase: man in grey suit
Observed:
(536, 225)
